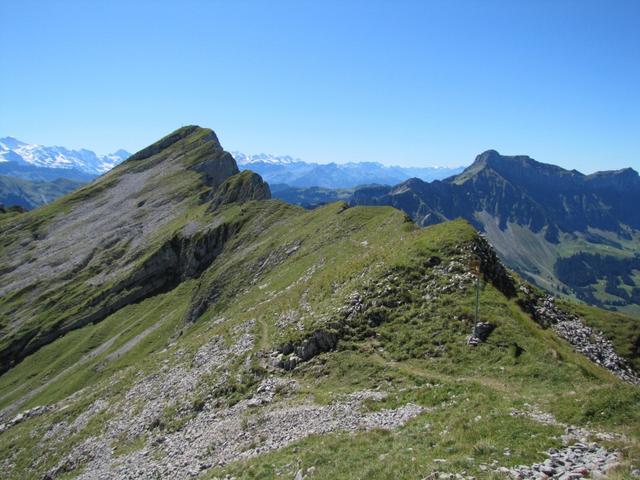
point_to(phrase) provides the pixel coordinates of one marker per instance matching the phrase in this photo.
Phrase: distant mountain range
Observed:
(37, 162)
(41, 163)
(30, 194)
(541, 219)
(570, 233)
(297, 173)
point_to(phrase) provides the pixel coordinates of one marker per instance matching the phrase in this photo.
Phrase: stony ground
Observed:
(272, 416)
(210, 434)
(592, 344)
(173, 424)
(577, 459)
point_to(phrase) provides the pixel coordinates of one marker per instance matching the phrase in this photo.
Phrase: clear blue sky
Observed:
(411, 83)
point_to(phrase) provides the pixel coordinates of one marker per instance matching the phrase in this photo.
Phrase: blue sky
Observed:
(410, 83)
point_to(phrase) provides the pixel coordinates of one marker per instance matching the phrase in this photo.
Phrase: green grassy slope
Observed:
(398, 299)
(418, 354)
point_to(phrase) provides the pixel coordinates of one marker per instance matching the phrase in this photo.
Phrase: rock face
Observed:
(491, 268)
(241, 188)
(290, 355)
(481, 332)
(116, 245)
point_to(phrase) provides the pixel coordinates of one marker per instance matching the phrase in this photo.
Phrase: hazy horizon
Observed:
(418, 164)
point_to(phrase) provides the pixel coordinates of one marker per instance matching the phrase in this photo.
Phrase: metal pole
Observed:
(475, 325)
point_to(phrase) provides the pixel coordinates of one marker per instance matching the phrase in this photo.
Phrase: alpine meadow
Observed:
(403, 241)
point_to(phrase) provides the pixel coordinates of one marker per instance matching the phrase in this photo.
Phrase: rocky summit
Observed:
(171, 320)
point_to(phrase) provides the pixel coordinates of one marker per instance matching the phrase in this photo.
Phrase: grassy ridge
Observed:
(419, 354)
(399, 298)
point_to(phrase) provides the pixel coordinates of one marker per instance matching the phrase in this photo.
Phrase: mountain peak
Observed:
(135, 205)
(487, 155)
(623, 172)
(493, 158)
(622, 179)
(11, 142)
(191, 147)
(121, 153)
(482, 161)
(194, 131)
(513, 167)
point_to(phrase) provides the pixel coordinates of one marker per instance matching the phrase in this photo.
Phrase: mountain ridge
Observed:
(532, 212)
(299, 174)
(169, 320)
(187, 161)
(521, 167)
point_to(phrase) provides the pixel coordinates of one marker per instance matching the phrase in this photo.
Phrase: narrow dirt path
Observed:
(264, 335)
(138, 338)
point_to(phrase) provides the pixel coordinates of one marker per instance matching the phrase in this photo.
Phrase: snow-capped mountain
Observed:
(85, 161)
(37, 162)
(294, 172)
(247, 159)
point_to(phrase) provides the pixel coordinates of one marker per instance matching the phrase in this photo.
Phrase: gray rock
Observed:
(549, 471)
(594, 345)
